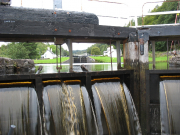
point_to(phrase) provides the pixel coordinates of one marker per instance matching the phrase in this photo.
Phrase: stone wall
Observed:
(16, 66)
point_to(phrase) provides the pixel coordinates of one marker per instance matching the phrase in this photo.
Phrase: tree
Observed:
(17, 51)
(89, 49)
(3, 51)
(42, 48)
(53, 47)
(31, 47)
(160, 46)
(160, 19)
(95, 51)
(66, 53)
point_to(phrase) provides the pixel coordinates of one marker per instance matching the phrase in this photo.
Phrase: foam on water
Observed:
(68, 110)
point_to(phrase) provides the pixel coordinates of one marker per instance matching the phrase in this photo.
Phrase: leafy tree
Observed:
(102, 47)
(66, 53)
(89, 49)
(3, 51)
(17, 51)
(31, 47)
(41, 48)
(53, 47)
(95, 51)
(160, 46)
(159, 19)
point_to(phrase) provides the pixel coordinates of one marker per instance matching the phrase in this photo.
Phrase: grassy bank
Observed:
(105, 59)
(159, 59)
(100, 59)
(48, 61)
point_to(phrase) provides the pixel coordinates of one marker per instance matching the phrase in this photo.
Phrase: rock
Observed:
(10, 66)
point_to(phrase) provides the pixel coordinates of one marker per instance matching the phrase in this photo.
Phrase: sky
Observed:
(117, 11)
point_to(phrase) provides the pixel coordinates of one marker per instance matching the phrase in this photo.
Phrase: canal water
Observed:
(51, 68)
(92, 67)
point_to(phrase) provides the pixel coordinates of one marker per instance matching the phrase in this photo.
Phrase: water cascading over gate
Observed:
(169, 106)
(19, 106)
(68, 109)
(114, 107)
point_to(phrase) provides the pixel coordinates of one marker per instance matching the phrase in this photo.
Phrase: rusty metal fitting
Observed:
(141, 40)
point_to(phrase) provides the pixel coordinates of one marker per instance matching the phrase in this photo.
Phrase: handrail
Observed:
(154, 2)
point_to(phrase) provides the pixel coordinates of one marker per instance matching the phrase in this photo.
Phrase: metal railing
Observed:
(147, 14)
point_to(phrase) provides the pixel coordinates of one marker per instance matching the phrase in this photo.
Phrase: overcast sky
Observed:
(128, 7)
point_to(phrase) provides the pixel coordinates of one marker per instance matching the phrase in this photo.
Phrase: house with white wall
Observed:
(113, 51)
(48, 54)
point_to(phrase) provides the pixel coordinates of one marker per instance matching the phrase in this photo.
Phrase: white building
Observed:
(48, 54)
(113, 51)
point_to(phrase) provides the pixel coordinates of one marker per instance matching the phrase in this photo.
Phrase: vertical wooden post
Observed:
(118, 55)
(167, 53)
(144, 112)
(111, 55)
(39, 90)
(134, 59)
(131, 62)
(69, 43)
(153, 54)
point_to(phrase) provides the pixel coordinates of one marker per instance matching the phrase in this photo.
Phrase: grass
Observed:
(48, 61)
(105, 59)
(159, 59)
(100, 59)
(159, 65)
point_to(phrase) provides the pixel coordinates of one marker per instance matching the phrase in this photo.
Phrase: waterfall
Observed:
(169, 106)
(19, 106)
(68, 110)
(115, 110)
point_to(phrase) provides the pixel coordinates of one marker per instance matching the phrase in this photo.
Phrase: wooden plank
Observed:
(162, 31)
(22, 24)
(23, 29)
(47, 15)
(60, 40)
(153, 53)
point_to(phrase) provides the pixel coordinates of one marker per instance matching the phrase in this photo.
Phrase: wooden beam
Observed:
(153, 53)
(25, 29)
(118, 55)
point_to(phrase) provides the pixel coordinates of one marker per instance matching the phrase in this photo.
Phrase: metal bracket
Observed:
(59, 41)
(143, 34)
(133, 37)
(143, 37)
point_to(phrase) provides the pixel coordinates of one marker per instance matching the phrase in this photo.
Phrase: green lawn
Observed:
(50, 60)
(105, 59)
(164, 58)
(100, 59)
